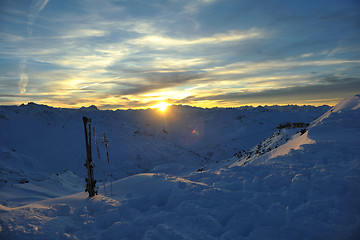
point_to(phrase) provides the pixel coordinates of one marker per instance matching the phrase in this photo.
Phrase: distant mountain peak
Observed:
(32, 105)
(90, 108)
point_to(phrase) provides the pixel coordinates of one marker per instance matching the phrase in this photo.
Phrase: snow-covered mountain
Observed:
(38, 140)
(244, 173)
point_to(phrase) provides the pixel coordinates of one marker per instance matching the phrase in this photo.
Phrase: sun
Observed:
(162, 106)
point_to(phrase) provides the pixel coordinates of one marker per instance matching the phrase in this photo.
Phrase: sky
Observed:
(120, 54)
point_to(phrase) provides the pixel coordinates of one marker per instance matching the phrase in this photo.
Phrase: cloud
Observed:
(163, 41)
(306, 55)
(178, 64)
(24, 79)
(194, 6)
(11, 37)
(140, 65)
(327, 86)
(36, 7)
(256, 67)
(154, 81)
(84, 33)
(86, 61)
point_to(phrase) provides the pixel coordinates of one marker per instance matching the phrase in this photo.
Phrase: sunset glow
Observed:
(132, 54)
(162, 106)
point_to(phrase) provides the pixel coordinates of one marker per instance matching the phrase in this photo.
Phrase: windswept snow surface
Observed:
(259, 177)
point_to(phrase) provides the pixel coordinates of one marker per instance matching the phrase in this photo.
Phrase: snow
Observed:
(244, 173)
(296, 143)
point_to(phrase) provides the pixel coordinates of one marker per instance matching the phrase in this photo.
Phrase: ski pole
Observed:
(98, 153)
(106, 142)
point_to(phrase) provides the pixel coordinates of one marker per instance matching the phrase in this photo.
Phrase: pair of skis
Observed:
(89, 164)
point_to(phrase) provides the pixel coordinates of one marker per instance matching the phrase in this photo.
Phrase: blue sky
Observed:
(135, 53)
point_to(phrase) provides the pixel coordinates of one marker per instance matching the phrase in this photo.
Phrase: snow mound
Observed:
(294, 144)
(136, 210)
(348, 104)
(338, 123)
(352, 103)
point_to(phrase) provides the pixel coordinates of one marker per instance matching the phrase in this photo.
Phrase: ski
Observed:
(89, 164)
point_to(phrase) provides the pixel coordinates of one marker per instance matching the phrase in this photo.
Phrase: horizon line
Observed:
(170, 105)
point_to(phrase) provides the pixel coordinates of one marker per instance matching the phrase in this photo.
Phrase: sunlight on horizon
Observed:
(162, 106)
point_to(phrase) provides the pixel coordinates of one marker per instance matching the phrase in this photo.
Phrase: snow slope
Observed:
(308, 190)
